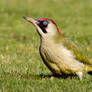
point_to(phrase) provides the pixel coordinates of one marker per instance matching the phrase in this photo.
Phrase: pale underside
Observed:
(59, 59)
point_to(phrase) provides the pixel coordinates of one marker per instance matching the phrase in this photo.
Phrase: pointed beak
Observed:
(35, 23)
(31, 20)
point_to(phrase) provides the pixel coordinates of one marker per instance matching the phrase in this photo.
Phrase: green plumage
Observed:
(78, 55)
(72, 46)
(59, 54)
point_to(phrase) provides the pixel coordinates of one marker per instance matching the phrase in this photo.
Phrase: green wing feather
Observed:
(78, 55)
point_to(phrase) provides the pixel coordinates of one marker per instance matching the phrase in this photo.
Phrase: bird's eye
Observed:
(45, 23)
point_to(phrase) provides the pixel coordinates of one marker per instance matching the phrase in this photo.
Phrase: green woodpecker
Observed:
(59, 54)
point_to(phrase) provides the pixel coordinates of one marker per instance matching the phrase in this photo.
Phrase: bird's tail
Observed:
(88, 69)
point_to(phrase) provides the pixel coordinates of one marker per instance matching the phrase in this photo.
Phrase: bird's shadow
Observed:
(46, 76)
(63, 76)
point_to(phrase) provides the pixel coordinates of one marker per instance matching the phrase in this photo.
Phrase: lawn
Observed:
(21, 68)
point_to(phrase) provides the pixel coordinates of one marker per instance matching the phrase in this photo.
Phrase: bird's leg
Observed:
(52, 77)
(80, 75)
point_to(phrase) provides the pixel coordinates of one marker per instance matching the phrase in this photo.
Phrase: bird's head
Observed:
(45, 27)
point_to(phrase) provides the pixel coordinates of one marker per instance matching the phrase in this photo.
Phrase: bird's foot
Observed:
(80, 75)
(52, 77)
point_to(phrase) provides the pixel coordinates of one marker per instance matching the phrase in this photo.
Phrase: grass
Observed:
(21, 68)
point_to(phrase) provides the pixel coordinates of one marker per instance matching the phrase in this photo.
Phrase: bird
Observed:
(58, 53)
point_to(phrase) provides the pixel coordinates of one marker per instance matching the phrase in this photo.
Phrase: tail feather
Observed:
(89, 69)
(90, 72)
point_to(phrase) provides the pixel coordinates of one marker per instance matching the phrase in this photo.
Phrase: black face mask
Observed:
(43, 24)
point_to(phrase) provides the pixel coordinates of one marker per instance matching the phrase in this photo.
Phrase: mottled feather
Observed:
(72, 46)
(78, 55)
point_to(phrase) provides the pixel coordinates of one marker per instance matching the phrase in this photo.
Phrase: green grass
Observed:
(21, 68)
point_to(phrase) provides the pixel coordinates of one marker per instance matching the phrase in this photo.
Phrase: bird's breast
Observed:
(49, 51)
(50, 56)
(55, 52)
(58, 58)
